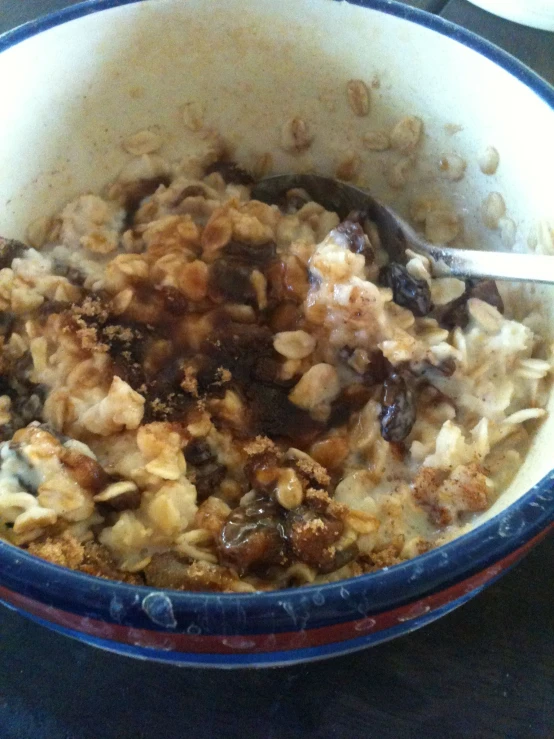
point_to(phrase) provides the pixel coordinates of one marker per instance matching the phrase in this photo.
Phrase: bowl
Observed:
(75, 83)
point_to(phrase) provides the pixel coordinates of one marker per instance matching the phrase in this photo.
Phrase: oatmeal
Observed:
(206, 392)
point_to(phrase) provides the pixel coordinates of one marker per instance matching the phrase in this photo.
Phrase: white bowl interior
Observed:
(70, 94)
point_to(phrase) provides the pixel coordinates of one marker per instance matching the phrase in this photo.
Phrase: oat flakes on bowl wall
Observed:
(207, 393)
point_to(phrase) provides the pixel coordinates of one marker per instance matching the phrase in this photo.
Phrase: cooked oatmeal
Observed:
(205, 392)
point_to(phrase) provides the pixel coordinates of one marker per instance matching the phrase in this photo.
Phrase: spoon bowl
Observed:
(397, 235)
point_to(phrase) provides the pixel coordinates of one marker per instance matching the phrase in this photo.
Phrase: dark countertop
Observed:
(486, 670)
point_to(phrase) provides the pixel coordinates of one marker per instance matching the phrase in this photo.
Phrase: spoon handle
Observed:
(496, 265)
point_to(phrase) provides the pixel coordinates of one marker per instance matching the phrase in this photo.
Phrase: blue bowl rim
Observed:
(451, 563)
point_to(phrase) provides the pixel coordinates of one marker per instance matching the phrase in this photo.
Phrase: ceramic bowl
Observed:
(534, 13)
(75, 83)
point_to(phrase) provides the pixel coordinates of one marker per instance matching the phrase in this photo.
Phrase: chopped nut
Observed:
(358, 97)
(294, 344)
(296, 136)
(289, 492)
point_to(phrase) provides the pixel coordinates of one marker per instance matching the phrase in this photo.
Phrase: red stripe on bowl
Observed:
(254, 643)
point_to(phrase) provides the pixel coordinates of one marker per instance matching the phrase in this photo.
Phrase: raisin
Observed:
(285, 317)
(268, 369)
(135, 192)
(487, 291)
(311, 536)
(84, 470)
(407, 291)
(208, 377)
(343, 557)
(10, 249)
(287, 280)
(258, 254)
(231, 173)
(455, 314)
(130, 372)
(173, 300)
(169, 378)
(378, 370)
(293, 200)
(198, 452)
(28, 409)
(50, 307)
(6, 386)
(355, 236)
(230, 280)
(126, 339)
(275, 415)
(253, 537)
(208, 477)
(62, 269)
(352, 398)
(166, 570)
(238, 347)
(76, 277)
(128, 501)
(190, 191)
(398, 410)
(165, 399)
(447, 367)
(6, 432)
(7, 323)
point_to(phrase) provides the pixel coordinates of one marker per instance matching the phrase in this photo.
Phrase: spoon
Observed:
(397, 235)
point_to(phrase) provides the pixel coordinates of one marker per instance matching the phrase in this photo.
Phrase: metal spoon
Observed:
(397, 235)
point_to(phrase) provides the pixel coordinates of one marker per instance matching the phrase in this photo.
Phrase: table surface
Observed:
(486, 670)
